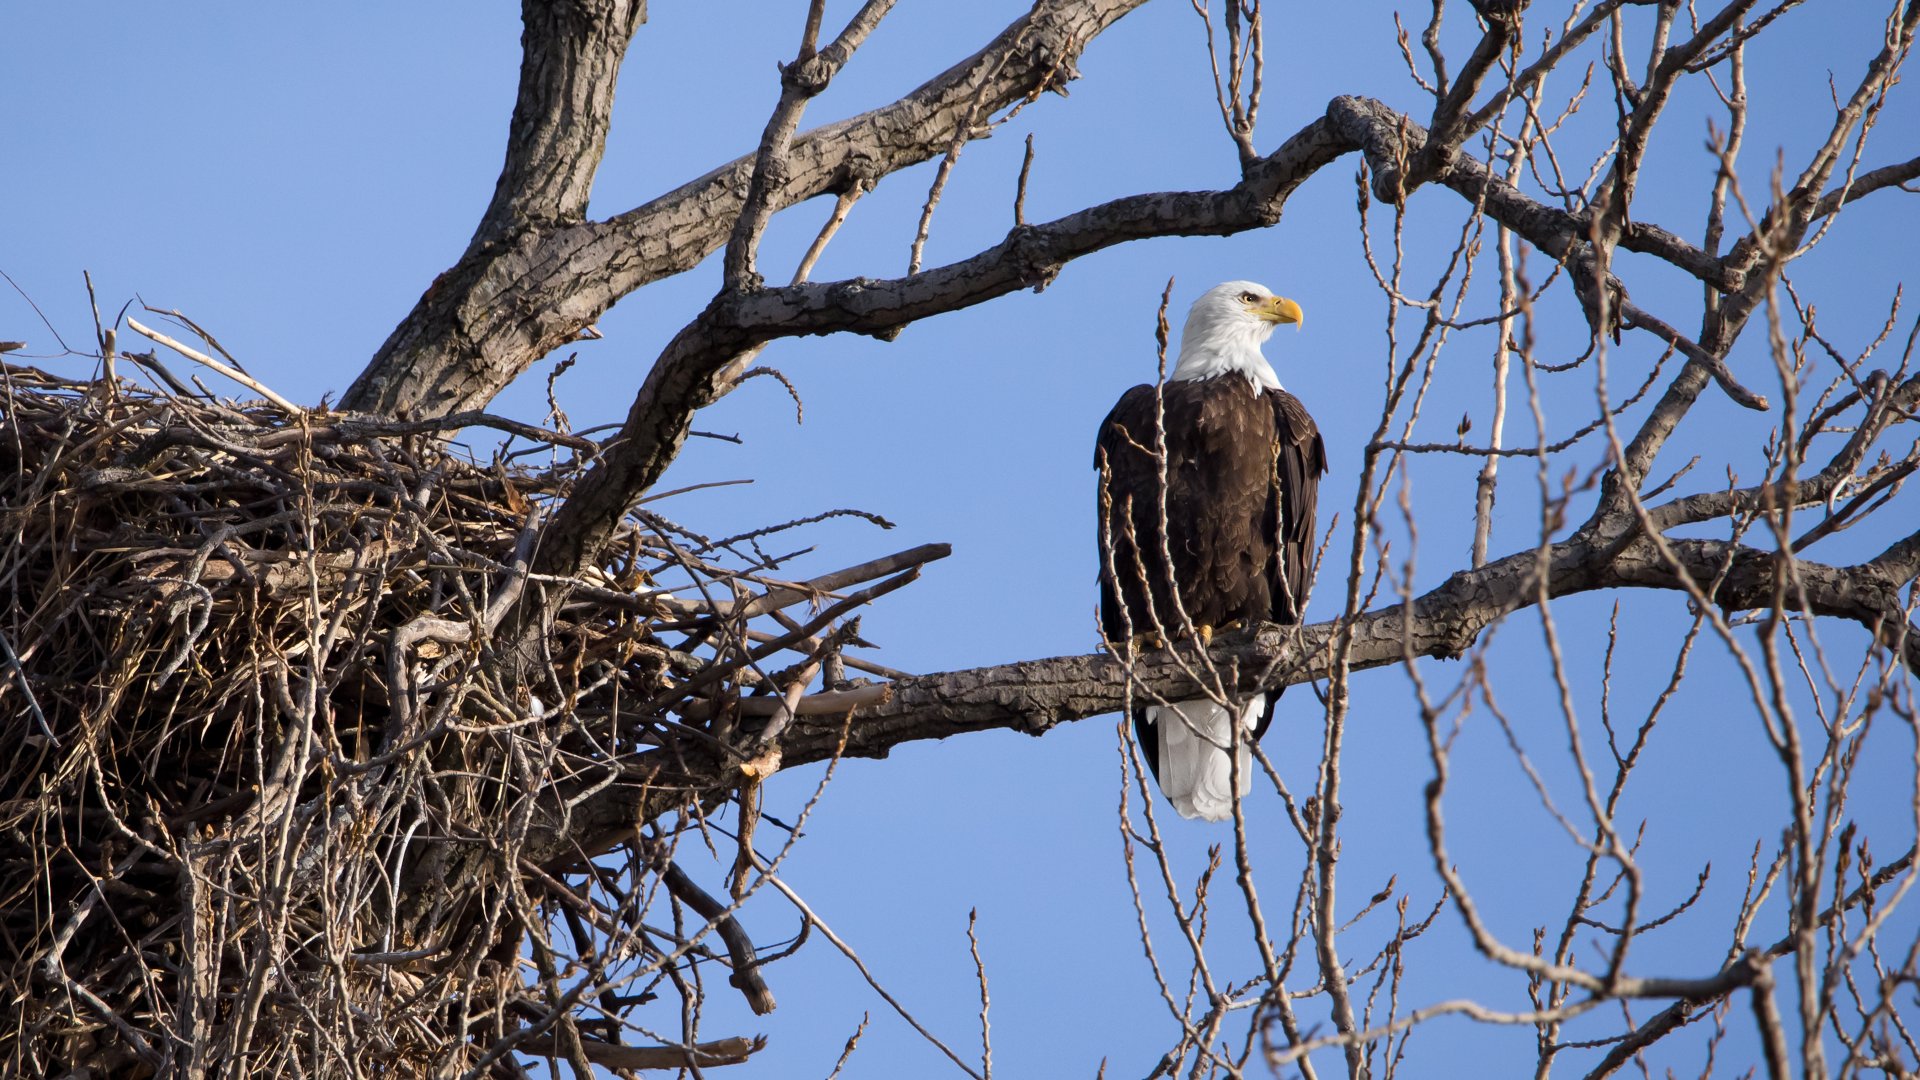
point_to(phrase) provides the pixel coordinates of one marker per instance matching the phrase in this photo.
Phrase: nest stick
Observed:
(228, 370)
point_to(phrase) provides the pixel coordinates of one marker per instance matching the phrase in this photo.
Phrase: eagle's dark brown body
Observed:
(1243, 467)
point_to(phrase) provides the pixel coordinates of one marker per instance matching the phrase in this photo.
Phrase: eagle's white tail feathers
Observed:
(1195, 772)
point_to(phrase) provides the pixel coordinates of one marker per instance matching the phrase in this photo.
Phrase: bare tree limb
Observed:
(517, 295)
(1033, 696)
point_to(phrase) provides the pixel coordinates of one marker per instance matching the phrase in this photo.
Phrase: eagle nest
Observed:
(312, 774)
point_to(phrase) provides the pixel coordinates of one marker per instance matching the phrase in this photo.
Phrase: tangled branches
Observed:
(308, 748)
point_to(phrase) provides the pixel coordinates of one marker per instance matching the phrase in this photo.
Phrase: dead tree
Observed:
(328, 731)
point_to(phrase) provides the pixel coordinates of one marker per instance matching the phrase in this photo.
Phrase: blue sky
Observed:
(292, 177)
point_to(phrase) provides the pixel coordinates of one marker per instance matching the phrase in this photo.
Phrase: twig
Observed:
(26, 688)
(852, 1042)
(980, 972)
(847, 951)
(235, 374)
(1020, 189)
(842, 205)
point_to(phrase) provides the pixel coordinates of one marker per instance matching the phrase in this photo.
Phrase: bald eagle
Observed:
(1243, 466)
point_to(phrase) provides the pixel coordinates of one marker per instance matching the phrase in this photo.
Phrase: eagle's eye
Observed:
(1249, 298)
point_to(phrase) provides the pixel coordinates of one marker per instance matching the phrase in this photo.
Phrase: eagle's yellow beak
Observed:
(1280, 310)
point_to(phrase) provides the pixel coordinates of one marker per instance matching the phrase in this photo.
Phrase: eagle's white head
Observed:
(1225, 329)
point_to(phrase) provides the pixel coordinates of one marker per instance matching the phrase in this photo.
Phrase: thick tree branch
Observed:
(512, 300)
(1449, 124)
(569, 63)
(1034, 696)
(1867, 183)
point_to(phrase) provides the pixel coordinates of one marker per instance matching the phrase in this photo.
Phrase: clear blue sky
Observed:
(292, 177)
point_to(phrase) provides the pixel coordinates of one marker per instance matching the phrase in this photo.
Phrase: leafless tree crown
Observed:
(344, 754)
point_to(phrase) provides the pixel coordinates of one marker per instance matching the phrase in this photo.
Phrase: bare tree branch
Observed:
(515, 297)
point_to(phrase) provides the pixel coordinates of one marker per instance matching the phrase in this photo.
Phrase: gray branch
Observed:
(1034, 696)
(520, 292)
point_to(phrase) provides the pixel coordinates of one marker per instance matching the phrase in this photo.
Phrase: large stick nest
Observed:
(284, 765)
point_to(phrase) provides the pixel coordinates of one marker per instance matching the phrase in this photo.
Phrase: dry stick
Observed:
(233, 373)
(961, 134)
(1323, 854)
(721, 671)
(1257, 51)
(1202, 975)
(852, 1041)
(868, 666)
(26, 688)
(212, 342)
(1488, 479)
(1237, 118)
(980, 970)
(746, 973)
(106, 336)
(1607, 834)
(733, 1051)
(1563, 952)
(1324, 931)
(1243, 863)
(655, 853)
(1132, 772)
(1130, 766)
(152, 363)
(755, 772)
(354, 427)
(1020, 188)
(690, 488)
(842, 205)
(1635, 318)
(1458, 1007)
(810, 519)
(826, 584)
(847, 951)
